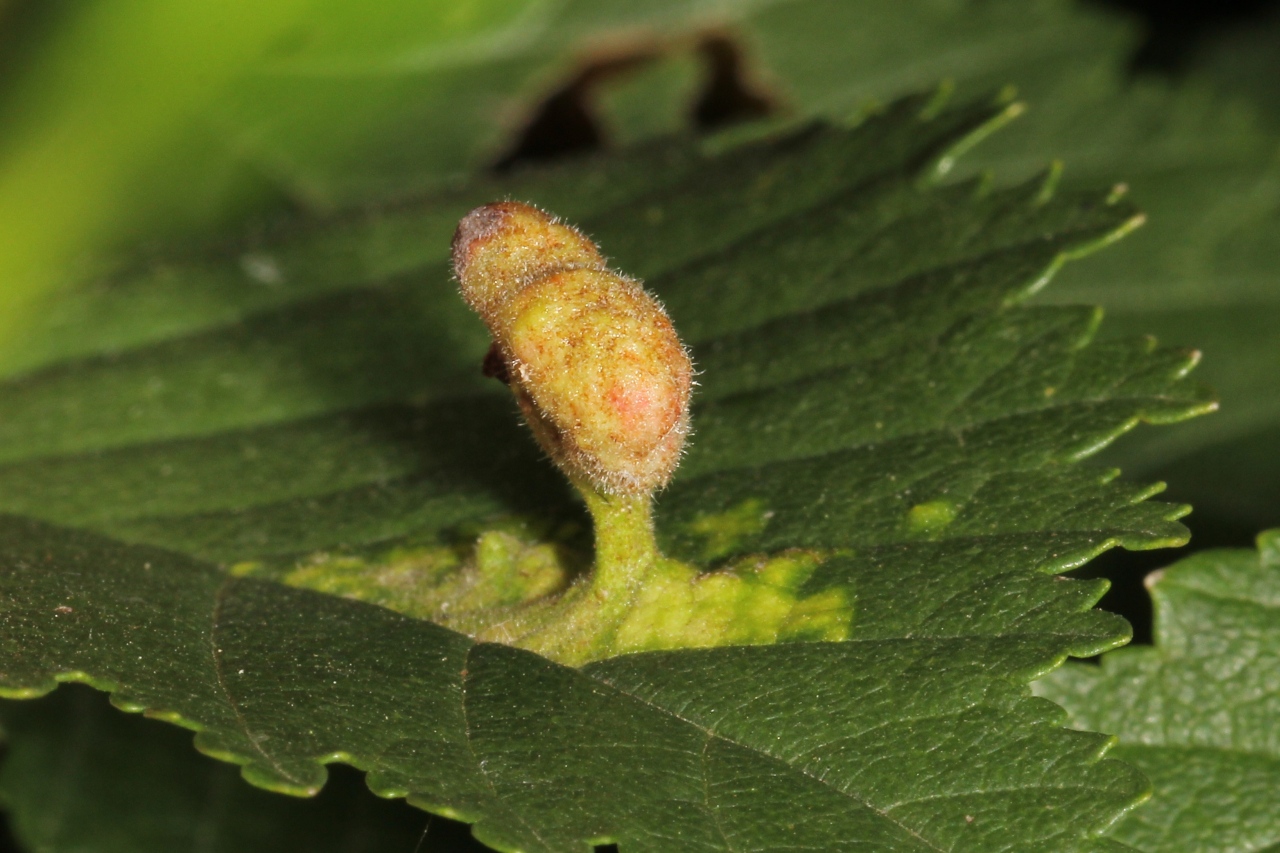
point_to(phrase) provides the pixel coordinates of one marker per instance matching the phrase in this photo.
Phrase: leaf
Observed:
(149, 118)
(1200, 159)
(872, 391)
(1203, 272)
(326, 105)
(360, 106)
(334, 105)
(97, 109)
(353, 106)
(326, 675)
(1197, 712)
(81, 776)
(1200, 162)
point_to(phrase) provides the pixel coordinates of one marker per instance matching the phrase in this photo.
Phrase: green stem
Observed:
(626, 551)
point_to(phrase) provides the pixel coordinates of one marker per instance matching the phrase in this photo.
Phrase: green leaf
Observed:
(542, 755)
(1200, 160)
(145, 117)
(133, 119)
(98, 102)
(1203, 272)
(872, 392)
(357, 106)
(348, 106)
(1197, 712)
(79, 775)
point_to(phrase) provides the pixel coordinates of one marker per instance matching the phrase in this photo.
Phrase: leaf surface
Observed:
(79, 775)
(872, 391)
(1205, 169)
(1197, 711)
(1200, 157)
(325, 105)
(351, 107)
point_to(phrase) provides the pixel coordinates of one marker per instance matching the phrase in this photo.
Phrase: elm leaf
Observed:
(235, 509)
(1197, 711)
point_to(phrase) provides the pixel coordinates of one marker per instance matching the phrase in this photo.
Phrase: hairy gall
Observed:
(594, 362)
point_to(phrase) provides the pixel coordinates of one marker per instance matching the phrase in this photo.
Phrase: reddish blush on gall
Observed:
(593, 360)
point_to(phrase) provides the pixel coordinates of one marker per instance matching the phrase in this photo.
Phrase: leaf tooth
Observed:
(1052, 176)
(946, 160)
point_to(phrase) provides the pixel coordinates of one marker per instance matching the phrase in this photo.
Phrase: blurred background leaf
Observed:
(97, 105)
(1196, 712)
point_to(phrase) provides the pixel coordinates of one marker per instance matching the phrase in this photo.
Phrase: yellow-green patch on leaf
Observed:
(534, 594)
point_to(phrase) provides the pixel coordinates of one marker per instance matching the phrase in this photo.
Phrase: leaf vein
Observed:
(219, 600)
(711, 733)
(480, 768)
